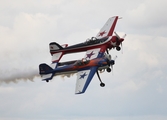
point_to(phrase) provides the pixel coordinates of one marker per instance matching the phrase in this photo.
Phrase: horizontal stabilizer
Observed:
(56, 57)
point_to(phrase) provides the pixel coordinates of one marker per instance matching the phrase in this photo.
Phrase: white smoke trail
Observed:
(23, 46)
(67, 75)
(18, 68)
(16, 75)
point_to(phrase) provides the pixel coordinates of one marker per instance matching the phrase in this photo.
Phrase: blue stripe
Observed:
(91, 74)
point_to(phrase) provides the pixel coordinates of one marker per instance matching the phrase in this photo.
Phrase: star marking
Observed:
(51, 47)
(90, 55)
(102, 33)
(82, 76)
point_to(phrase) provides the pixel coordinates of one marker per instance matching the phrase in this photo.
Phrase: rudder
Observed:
(45, 69)
(46, 72)
(55, 46)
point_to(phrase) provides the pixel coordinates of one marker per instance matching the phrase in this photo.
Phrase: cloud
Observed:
(21, 47)
(148, 17)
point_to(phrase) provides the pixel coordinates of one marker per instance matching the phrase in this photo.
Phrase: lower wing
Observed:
(84, 77)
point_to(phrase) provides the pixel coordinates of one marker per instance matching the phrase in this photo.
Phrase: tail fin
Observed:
(108, 28)
(55, 46)
(46, 72)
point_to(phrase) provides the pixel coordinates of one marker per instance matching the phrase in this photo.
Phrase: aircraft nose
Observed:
(112, 62)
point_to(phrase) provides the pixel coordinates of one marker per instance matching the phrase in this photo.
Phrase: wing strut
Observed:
(101, 84)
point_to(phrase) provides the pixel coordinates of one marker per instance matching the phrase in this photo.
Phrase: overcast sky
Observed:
(136, 90)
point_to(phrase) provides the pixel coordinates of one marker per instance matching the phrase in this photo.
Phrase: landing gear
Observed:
(118, 48)
(102, 84)
(47, 80)
(108, 69)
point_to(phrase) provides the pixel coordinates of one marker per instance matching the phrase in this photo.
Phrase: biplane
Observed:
(97, 57)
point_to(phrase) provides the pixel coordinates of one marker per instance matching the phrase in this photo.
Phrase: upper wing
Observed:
(108, 28)
(83, 79)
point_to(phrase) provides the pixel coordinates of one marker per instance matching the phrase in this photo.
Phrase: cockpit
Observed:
(82, 62)
(95, 40)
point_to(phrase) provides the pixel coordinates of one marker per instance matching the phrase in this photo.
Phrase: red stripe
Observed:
(113, 26)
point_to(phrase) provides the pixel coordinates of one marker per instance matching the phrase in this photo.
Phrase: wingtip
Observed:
(117, 17)
(79, 92)
(114, 16)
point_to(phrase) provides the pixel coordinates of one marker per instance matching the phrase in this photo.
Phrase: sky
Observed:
(135, 89)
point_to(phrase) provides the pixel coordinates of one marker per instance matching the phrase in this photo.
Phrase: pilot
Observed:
(79, 63)
(93, 38)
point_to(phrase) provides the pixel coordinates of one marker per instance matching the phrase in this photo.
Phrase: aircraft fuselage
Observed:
(107, 42)
(101, 63)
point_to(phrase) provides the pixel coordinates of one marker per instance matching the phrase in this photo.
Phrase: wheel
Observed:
(47, 80)
(118, 48)
(102, 84)
(108, 69)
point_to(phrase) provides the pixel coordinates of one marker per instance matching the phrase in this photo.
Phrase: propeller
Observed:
(111, 62)
(115, 58)
(124, 36)
(119, 41)
(117, 35)
(114, 62)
